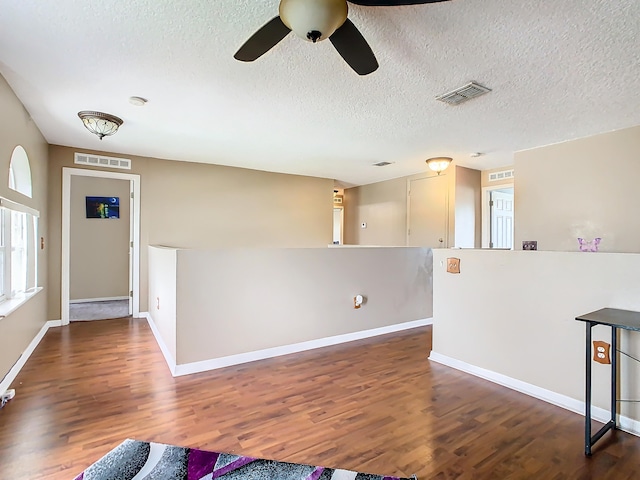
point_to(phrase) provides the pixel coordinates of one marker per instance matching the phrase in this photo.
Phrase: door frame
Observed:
(134, 232)
(486, 211)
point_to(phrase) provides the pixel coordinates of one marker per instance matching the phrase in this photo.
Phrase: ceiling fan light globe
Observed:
(305, 16)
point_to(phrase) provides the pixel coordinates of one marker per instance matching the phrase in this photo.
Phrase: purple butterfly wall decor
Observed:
(589, 245)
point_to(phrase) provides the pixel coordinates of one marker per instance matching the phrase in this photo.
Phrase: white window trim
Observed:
(18, 207)
(8, 303)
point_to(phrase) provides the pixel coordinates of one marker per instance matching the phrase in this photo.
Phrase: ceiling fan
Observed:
(316, 20)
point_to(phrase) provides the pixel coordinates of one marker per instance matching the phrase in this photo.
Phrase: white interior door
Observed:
(427, 212)
(501, 205)
(338, 220)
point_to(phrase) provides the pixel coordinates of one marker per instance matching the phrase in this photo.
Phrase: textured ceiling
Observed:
(558, 70)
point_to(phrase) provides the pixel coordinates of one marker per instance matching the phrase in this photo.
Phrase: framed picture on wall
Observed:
(103, 207)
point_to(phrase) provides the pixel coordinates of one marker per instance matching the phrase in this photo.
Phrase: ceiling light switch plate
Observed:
(453, 265)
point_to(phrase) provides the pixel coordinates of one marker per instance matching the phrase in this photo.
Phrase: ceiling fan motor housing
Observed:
(313, 20)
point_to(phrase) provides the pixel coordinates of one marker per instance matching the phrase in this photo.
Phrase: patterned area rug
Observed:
(134, 460)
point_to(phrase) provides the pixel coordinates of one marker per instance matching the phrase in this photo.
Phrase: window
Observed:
(20, 172)
(18, 249)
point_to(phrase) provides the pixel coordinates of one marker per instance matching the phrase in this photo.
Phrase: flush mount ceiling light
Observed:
(439, 164)
(102, 124)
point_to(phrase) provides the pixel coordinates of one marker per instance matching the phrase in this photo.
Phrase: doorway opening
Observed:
(70, 207)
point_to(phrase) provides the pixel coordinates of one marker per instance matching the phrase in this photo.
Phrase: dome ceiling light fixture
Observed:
(439, 164)
(101, 124)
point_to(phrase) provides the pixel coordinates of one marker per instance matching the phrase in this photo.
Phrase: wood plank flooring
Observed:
(375, 405)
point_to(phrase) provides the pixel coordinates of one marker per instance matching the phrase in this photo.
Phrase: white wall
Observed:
(162, 294)
(513, 313)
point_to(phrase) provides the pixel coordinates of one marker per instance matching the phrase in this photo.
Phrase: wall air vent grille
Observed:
(503, 175)
(100, 161)
(462, 94)
(381, 164)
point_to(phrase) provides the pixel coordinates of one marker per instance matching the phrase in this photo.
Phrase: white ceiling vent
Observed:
(100, 161)
(462, 94)
(503, 175)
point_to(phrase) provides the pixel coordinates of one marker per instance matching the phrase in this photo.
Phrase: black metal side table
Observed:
(615, 319)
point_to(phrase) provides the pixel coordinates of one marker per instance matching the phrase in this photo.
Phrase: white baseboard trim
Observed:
(101, 299)
(215, 363)
(13, 373)
(171, 362)
(600, 414)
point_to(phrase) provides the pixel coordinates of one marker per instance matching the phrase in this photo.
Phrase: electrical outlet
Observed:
(453, 265)
(601, 352)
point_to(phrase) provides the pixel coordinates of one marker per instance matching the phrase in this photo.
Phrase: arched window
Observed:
(20, 172)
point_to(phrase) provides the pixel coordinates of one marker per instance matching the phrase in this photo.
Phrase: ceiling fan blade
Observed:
(263, 40)
(355, 50)
(392, 3)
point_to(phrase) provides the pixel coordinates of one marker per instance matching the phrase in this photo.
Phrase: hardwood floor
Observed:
(375, 405)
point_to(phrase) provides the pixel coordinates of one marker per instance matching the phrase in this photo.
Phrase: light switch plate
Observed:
(453, 265)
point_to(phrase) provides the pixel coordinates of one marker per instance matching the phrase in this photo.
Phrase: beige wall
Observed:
(99, 247)
(513, 313)
(237, 300)
(583, 188)
(383, 206)
(467, 208)
(195, 205)
(16, 128)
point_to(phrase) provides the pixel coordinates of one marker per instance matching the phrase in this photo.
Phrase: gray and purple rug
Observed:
(134, 460)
